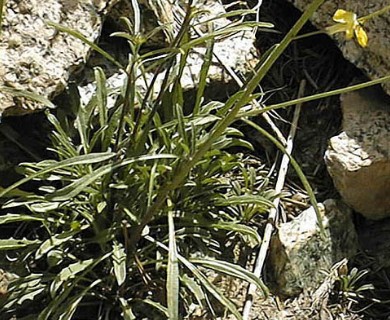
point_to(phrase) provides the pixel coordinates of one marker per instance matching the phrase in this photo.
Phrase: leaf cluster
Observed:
(127, 215)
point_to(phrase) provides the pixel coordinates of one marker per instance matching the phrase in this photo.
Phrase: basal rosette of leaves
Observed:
(123, 222)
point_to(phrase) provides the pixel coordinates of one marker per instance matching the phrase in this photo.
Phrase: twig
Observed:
(272, 217)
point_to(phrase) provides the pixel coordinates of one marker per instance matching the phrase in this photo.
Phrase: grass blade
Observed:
(79, 185)
(28, 95)
(83, 159)
(233, 270)
(14, 244)
(81, 37)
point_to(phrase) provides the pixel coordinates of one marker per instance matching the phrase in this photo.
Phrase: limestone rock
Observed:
(37, 58)
(359, 158)
(235, 52)
(374, 60)
(298, 253)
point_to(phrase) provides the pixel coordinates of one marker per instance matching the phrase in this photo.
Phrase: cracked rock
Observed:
(358, 159)
(35, 57)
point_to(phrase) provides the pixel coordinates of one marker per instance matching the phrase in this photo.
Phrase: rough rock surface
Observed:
(229, 59)
(37, 58)
(358, 159)
(374, 60)
(298, 253)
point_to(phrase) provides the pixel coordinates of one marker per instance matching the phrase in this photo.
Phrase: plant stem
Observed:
(313, 97)
(374, 14)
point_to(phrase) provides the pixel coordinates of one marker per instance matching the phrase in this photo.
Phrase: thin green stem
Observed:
(313, 97)
(306, 35)
(374, 14)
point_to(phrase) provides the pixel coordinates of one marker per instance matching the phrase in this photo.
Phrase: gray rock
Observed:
(37, 58)
(374, 60)
(298, 253)
(233, 55)
(358, 159)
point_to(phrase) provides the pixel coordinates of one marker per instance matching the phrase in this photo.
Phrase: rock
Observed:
(37, 58)
(298, 253)
(228, 55)
(375, 58)
(358, 159)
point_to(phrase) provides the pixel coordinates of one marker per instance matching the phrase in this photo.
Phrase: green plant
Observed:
(126, 210)
(351, 285)
(128, 214)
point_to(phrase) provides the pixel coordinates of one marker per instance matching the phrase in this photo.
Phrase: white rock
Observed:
(374, 60)
(358, 159)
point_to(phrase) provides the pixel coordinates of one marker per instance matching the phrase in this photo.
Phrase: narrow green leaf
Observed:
(2, 5)
(236, 227)
(204, 71)
(158, 306)
(62, 138)
(233, 270)
(195, 288)
(101, 95)
(81, 37)
(83, 159)
(297, 169)
(69, 272)
(72, 275)
(243, 200)
(234, 13)
(127, 313)
(11, 217)
(68, 308)
(14, 244)
(28, 95)
(79, 185)
(227, 303)
(55, 241)
(172, 272)
(119, 262)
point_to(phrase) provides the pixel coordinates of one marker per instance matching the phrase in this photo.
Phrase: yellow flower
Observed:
(349, 23)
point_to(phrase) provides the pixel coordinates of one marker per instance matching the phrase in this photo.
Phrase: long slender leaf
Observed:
(67, 310)
(126, 310)
(119, 262)
(172, 272)
(2, 9)
(296, 167)
(79, 185)
(11, 218)
(69, 272)
(55, 241)
(157, 306)
(227, 303)
(244, 199)
(233, 270)
(14, 244)
(81, 37)
(195, 288)
(28, 95)
(83, 159)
